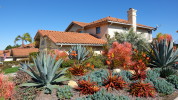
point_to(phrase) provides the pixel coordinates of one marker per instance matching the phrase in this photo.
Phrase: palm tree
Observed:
(25, 37)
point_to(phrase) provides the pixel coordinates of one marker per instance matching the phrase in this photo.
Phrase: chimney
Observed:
(132, 18)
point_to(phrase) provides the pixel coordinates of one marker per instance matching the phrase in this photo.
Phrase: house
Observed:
(91, 34)
(110, 25)
(46, 39)
(19, 53)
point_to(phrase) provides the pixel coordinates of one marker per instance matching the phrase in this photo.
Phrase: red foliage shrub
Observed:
(139, 68)
(137, 55)
(142, 90)
(78, 70)
(114, 82)
(87, 87)
(6, 87)
(168, 37)
(120, 55)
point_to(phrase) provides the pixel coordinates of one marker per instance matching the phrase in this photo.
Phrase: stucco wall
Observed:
(116, 28)
(74, 28)
(103, 30)
(120, 29)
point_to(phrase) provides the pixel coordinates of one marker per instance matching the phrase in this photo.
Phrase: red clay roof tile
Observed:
(23, 52)
(71, 37)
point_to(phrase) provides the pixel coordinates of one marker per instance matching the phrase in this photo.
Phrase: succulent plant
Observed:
(126, 75)
(78, 52)
(165, 72)
(103, 95)
(173, 79)
(152, 75)
(162, 86)
(46, 74)
(97, 76)
(162, 54)
(64, 92)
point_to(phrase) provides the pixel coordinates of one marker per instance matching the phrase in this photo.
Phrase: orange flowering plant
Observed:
(60, 54)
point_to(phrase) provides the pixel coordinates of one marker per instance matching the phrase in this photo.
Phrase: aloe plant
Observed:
(78, 52)
(46, 74)
(162, 54)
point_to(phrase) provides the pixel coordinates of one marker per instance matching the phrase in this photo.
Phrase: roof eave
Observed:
(79, 44)
(131, 24)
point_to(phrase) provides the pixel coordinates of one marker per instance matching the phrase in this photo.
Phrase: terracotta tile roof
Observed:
(71, 37)
(80, 23)
(31, 45)
(22, 52)
(5, 51)
(106, 19)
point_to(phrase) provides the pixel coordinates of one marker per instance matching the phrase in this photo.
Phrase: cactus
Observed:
(46, 74)
(162, 54)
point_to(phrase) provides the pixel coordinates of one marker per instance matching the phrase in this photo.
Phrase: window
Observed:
(124, 28)
(98, 30)
(80, 32)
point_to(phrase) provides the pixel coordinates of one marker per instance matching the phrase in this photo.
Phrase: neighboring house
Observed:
(110, 25)
(46, 39)
(90, 34)
(5, 55)
(19, 53)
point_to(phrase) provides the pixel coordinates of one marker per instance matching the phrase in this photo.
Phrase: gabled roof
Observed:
(109, 19)
(70, 37)
(22, 52)
(5, 51)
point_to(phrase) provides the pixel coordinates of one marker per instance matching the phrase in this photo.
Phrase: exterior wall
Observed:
(116, 28)
(74, 28)
(119, 28)
(103, 30)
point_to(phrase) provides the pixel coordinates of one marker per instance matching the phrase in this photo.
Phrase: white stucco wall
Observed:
(115, 28)
(119, 28)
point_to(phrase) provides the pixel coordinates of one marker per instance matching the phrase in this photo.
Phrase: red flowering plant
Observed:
(161, 37)
(119, 56)
(6, 87)
(59, 54)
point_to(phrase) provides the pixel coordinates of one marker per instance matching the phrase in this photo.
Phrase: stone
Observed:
(116, 70)
(72, 84)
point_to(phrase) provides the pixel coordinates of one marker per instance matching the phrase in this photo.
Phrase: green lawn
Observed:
(11, 70)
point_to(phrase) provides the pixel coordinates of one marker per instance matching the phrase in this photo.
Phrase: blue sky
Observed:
(21, 16)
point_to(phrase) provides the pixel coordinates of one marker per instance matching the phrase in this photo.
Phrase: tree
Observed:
(137, 41)
(25, 37)
(11, 47)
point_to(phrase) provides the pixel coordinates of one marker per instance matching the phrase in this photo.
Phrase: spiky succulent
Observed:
(162, 54)
(78, 52)
(46, 74)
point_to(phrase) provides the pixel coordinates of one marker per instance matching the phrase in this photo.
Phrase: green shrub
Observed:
(173, 79)
(9, 64)
(165, 72)
(157, 70)
(126, 75)
(96, 61)
(67, 63)
(97, 76)
(64, 92)
(11, 70)
(103, 95)
(162, 86)
(152, 75)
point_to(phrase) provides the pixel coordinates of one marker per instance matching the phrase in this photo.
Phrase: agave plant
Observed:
(162, 54)
(78, 52)
(46, 74)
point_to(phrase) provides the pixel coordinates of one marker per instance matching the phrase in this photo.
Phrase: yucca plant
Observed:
(78, 52)
(162, 54)
(46, 74)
